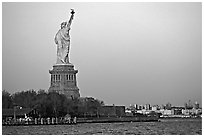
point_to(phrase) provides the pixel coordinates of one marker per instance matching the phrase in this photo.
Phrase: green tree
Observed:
(89, 106)
(7, 101)
(25, 99)
(40, 103)
(54, 104)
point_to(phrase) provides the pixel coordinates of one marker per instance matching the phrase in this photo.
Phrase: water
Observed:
(165, 127)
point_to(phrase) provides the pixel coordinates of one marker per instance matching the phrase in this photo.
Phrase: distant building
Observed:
(141, 107)
(192, 111)
(136, 106)
(155, 108)
(147, 106)
(186, 111)
(177, 110)
(166, 112)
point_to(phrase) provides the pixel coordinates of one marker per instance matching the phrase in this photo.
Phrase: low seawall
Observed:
(116, 119)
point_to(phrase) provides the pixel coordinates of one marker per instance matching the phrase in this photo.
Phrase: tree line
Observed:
(51, 104)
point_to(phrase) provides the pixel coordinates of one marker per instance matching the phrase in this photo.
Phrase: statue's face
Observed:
(63, 25)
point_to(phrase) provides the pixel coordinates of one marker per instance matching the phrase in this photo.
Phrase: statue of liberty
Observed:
(62, 39)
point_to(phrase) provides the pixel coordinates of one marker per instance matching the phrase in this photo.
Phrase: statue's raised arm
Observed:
(71, 18)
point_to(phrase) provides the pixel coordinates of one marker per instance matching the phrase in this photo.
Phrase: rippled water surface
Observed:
(167, 127)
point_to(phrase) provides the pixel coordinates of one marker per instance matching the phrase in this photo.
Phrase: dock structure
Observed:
(62, 121)
(40, 121)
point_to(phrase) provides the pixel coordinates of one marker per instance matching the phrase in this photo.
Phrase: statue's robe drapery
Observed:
(62, 39)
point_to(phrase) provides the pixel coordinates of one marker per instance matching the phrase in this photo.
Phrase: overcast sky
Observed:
(126, 53)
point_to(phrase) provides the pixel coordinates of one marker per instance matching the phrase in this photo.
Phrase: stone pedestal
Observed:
(63, 80)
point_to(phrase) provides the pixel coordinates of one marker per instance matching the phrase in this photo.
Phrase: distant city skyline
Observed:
(189, 103)
(126, 53)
